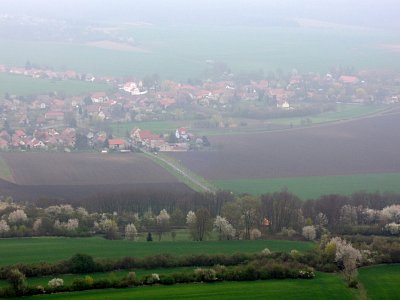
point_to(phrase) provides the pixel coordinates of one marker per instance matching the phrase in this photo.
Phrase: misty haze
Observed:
(200, 149)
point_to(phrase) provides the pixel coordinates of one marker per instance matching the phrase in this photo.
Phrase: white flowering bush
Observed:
(55, 283)
(346, 256)
(391, 214)
(309, 232)
(306, 274)
(393, 228)
(255, 234)
(163, 217)
(191, 218)
(36, 225)
(70, 225)
(65, 210)
(131, 232)
(17, 217)
(206, 275)
(266, 251)
(224, 228)
(321, 219)
(4, 228)
(82, 212)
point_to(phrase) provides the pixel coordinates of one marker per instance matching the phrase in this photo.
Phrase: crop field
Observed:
(83, 169)
(29, 250)
(356, 147)
(32, 175)
(324, 286)
(314, 186)
(381, 282)
(181, 53)
(22, 86)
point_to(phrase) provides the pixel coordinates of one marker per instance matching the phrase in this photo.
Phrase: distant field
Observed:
(22, 86)
(159, 127)
(381, 282)
(324, 286)
(364, 146)
(313, 187)
(29, 250)
(181, 52)
(31, 168)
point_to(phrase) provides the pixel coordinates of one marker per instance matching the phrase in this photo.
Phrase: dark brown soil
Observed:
(370, 145)
(84, 169)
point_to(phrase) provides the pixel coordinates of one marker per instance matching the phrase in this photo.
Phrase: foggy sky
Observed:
(368, 13)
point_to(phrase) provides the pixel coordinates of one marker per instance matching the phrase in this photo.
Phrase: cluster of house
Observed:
(40, 139)
(139, 138)
(52, 120)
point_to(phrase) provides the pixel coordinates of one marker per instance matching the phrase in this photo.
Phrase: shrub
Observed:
(82, 263)
(55, 283)
(80, 284)
(206, 275)
(266, 251)
(17, 281)
(309, 232)
(167, 279)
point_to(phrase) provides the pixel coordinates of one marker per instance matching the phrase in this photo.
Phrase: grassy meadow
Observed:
(324, 286)
(181, 52)
(315, 186)
(23, 86)
(30, 250)
(381, 282)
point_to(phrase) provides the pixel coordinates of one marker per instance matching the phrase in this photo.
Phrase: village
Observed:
(53, 122)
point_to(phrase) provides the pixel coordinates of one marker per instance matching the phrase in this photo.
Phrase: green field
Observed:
(324, 286)
(22, 86)
(5, 172)
(29, 250)
(315, 186)
(181, 52)
(381, 282)
(159, 127)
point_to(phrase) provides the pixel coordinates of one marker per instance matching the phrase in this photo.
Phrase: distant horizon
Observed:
(368, 13)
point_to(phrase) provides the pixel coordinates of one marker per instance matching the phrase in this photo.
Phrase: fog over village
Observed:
(199, 149)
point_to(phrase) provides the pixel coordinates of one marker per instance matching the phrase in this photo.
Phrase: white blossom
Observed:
(163, 217)
(391, 214)
(345, 250)
(266, 251)
(224, 228)
(309, 232)
(4, 227)
(82, 212)
(393, 228)
(17, 216)
(130, 232)
(255, 234)
(60, 210)
(37, 224)
(71, 225)
(56, 282)
(321, 219)
(191, 218)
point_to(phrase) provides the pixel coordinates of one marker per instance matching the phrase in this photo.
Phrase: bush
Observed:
(80, 284)
(205, 275)
(167, 280)
(82, 263)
